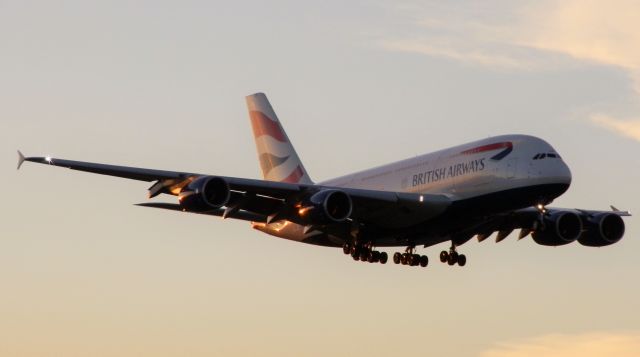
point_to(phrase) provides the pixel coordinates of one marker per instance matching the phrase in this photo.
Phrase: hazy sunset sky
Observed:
(161, 84)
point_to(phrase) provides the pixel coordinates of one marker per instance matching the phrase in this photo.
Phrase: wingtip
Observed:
(21, 159)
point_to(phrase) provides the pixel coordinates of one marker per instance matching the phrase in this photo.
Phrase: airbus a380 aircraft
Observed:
(492, 185)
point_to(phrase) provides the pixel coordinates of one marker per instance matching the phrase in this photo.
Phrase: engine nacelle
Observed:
(326, 206)
(560, 228)
(602, 229)
(205, 193)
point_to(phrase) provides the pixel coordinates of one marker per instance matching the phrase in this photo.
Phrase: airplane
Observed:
(498, 184)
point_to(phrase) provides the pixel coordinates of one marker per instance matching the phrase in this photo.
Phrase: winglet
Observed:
(619, 212)
(20, 159)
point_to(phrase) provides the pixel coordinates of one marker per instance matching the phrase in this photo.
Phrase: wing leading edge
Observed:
(267, 198)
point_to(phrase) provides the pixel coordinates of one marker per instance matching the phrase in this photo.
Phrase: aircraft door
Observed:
(512, 167)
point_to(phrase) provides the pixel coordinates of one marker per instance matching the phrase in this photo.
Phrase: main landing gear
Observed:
(410, 258)
(365, 253)
(452, 257)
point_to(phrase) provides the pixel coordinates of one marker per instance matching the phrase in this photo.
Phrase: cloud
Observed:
(468, 54)
(627, 128)
(470, 35)
(602, 31)
(596, 344)
(542, 35)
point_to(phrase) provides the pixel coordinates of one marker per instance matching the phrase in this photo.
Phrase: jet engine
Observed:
(559, 228)
(324, 207)
(602, 229)
(204, 193)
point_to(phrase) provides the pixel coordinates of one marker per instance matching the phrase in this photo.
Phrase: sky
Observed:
(161, 84)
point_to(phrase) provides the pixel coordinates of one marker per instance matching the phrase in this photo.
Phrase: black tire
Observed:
(355, 250)
(462, 260)
(454, 254)
(451, 260)
(364, 256)
(424, 261)
(403, 259)
(415, 260)
(444, 256)
(397, 257)
(346, 248)
(355, 257)
(383, 257)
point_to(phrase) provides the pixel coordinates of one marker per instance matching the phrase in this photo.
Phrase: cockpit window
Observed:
(550, 155)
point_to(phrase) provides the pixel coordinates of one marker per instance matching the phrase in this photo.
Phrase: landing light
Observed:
(421, 198)
(47, 159)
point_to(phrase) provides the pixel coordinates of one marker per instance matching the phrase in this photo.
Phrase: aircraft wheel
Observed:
(355, 257)
(452, 259)
(415, 260)
(355, 250)
(462, 260)
(364, 256)
(397, 257)
(346, 248)
(424, 261)
(454, 254)
(383, 257)
(376, 256)
(444, 256)
(403, 258)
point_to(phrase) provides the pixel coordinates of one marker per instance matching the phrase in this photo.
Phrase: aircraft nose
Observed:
(563, 173)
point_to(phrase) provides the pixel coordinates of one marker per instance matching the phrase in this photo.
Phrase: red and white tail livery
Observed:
(278, 159)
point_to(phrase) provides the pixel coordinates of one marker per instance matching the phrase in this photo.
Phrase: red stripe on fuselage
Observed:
(490, 147)
(295, 176)
(262, 125)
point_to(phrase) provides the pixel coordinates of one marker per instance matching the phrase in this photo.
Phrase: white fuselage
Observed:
(460, 172)
(483, 168)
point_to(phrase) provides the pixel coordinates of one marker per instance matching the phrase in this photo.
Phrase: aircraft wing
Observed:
(527, 220)
(269, 198)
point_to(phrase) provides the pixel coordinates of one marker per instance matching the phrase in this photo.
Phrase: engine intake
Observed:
(560, 228)
(602, 229)
(326, 206)
(205, 193)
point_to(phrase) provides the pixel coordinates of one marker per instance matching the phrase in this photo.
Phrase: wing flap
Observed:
(240, 214)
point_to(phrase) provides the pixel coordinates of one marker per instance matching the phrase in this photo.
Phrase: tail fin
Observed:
(278, 159)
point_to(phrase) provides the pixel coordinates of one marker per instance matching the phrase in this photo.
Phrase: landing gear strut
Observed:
(452, 257)
(410, 258)
(365, 253)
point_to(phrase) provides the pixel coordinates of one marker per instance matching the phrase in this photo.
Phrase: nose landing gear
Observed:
(452, 257)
